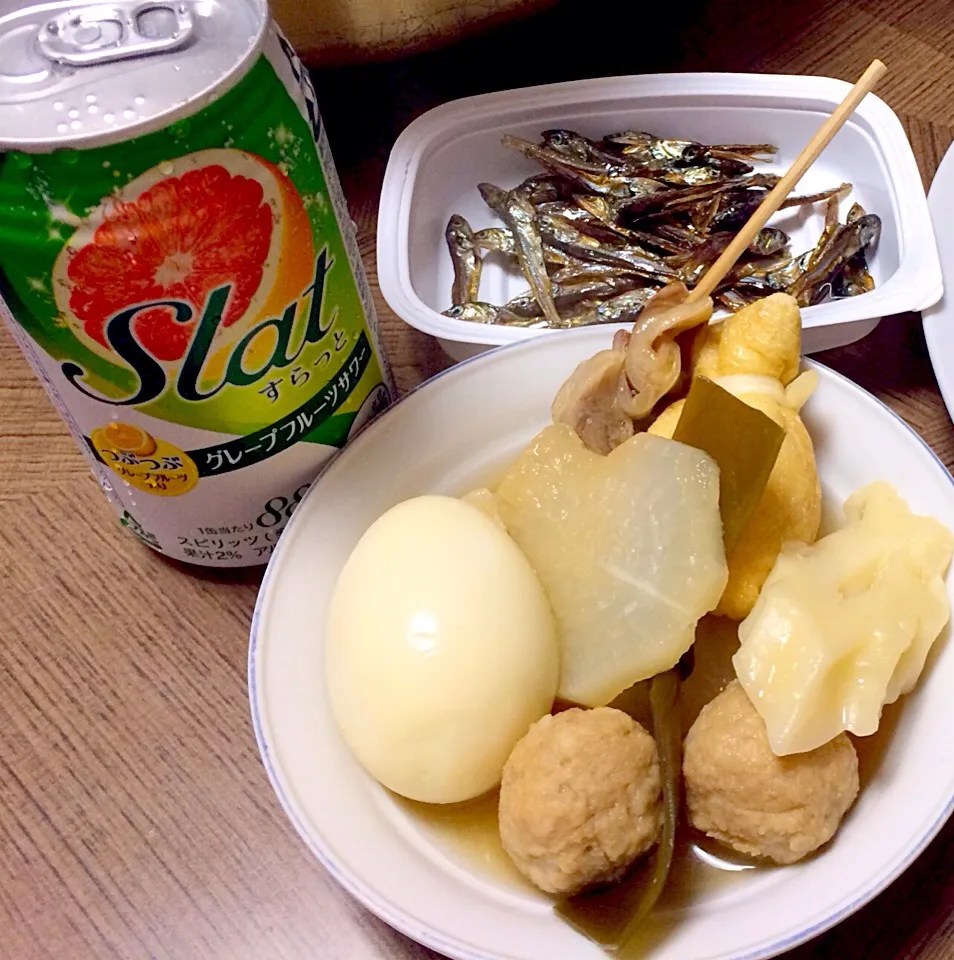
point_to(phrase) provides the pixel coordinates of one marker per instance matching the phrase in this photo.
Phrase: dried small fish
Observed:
(855, 278)
(656, 163)
(607, 212)
(582, 270)
(524, 305)
(591, 175)
(678, 237)
(584, 221)
(702, 215)
(623, 215)
(574, 292)
(572, 145)
(744, 151)
(831, 226)
(845, 243)
(648, 148)
(623, 308)
(564, 236)
(520, 215)
(771, 274)
(616, 180)
(732, 216)
(610, 210)
(612, 236)
(478, 312)
(546, 188)
(496, 239)
(683, 162)
(768, 242)
(842, 190)
(856, 212)
(577, 297)
(730, 167)
(738, 205)
(495, 197)
(785, 275)
(580, 316)
(465, 256)
(679, 200)
(568, 143)
(696, 176)
(732, 299)
(501, 240)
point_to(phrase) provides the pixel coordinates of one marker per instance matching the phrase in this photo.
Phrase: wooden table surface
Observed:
(136, 820)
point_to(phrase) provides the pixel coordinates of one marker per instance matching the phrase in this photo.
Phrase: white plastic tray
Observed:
(440, 158)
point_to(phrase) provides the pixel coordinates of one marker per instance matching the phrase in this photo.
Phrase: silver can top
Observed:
(82, 75)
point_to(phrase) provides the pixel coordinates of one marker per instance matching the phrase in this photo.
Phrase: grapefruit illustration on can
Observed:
(180, 270)
(179, 231)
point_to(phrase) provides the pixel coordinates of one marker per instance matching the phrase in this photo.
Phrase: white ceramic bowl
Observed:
(939, 319)
(439, 159)
(449, 434)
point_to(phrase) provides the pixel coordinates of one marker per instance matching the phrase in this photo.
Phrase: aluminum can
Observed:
(178, 265)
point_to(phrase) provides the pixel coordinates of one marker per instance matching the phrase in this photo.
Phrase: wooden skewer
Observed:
(773, 200)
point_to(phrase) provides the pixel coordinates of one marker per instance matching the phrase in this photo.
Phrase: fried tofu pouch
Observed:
(764, 338)
(754, 354)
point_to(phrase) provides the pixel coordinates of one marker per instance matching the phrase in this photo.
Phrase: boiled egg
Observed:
(441, 650)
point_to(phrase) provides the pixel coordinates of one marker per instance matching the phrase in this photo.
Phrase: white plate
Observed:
(448, 434)
(437, 162)
(939, 319)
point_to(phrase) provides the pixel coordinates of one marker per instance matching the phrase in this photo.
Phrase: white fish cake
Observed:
(844, 627)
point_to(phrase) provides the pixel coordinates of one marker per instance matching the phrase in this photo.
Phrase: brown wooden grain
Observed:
(135, 818)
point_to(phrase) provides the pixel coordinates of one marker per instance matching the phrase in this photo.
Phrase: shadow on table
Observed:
(251, 576)
(892, 360)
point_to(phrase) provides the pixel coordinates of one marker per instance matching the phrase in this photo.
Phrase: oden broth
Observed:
(469, 833)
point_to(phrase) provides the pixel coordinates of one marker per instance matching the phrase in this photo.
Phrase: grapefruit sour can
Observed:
(177, 263)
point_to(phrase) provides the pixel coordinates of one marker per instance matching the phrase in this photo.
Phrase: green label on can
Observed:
(176, 269)
(198, 276)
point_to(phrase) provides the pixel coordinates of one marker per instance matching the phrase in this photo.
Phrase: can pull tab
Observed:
(83, 36)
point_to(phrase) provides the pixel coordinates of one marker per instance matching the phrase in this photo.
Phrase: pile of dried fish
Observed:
(612, 221)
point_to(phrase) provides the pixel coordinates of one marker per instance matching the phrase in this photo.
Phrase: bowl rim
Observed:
(937, 320)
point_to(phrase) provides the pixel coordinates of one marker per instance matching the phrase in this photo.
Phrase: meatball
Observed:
(580, 799)
(738, 791)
